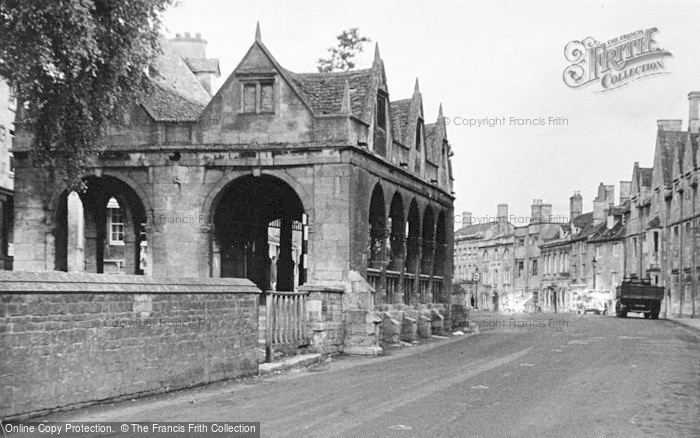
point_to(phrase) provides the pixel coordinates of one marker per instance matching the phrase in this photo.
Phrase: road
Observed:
(538, 375)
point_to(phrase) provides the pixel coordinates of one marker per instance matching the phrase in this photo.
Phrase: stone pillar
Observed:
(427, 267)
(90, 244)
(285, 264)
(262, 256)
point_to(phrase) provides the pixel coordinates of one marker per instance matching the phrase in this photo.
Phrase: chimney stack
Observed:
(625, 191)
(546, 213)
(536, 212)
(610, 195)
(670, 125)
(194, 51)
(694, 113)
(466, 218)
(575, 205)
(502, 214)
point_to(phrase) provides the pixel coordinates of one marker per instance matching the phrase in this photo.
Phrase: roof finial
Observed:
(416, 88)
(257, 32)
(345, 107)
(376, 52)
(440, 116)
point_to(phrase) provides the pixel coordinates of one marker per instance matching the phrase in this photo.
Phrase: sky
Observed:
(489, 59)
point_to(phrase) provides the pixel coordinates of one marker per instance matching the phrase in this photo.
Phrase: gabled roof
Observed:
(324, 91)
(208, 65)
(400, 110)
(666, 144)
(475, 230)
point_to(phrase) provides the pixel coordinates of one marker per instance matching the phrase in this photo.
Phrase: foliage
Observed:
(72, 64)
(342, 57)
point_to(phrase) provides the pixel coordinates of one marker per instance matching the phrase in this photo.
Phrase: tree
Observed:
(72, 64)
(342, 57)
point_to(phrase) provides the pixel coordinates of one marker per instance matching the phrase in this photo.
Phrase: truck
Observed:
(638, 296)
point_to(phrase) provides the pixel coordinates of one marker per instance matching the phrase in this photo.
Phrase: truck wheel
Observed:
(655, 313)
(621, 314)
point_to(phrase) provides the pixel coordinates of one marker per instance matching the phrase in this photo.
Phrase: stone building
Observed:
(663, 237)
(203, 179)
(8, 106)
(486, 249)
(528, 274)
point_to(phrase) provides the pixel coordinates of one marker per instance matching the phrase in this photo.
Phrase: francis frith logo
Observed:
(614, 63)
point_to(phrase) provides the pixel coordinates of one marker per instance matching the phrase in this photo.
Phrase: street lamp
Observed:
(594, 262)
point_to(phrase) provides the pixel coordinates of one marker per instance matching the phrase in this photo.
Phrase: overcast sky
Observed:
(489, 59)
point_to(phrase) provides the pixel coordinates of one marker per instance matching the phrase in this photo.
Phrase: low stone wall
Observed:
(69, 340)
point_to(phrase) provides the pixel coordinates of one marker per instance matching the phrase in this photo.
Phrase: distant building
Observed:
(528, 274)
(484, 260)
(8, 107)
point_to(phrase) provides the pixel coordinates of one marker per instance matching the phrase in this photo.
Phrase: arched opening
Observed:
(397, 227)
(441, 242)
(258, 223)
(101, 230)
(377, 227)
(413, 238)
(428, 236)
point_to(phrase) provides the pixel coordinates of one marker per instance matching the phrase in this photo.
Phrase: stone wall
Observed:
(75, 339)
(324, 309)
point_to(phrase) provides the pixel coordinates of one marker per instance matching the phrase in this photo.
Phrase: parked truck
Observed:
(638, 296)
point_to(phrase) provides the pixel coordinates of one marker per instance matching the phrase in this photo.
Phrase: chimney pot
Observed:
(670, 124)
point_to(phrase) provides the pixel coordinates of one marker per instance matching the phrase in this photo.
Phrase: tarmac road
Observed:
(536, 375)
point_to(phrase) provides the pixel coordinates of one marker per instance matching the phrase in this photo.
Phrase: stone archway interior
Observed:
(258, 222)
(101, 230)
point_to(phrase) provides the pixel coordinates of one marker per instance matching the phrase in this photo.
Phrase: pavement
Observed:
(540, 375)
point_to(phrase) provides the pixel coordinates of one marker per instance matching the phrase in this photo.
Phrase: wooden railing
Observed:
(373, 277)
(392, 286)
(285, 320)
(424, 285)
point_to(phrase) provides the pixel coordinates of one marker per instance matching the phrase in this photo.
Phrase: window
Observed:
(521, 241)
(381, 111)
(419, 137)
(116, 223)
(634, 247)
(598, 251)
(521, 268)
(616, 249)
(656, 242)
(258, 97)
(584, 273)
(534, 268)
(266, 98)
(249, 91)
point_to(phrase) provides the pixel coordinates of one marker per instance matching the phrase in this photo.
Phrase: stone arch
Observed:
(413, 238)
(258, 223)
(428, 237)
(95, 210)
(397, 231)
(55, 200)
(441, 244)
(214, 194)
(377, 226)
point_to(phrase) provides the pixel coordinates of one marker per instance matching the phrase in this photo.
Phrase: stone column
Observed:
(90, 244)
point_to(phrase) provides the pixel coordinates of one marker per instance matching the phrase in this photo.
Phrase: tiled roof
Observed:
(209, 65)
(668, 141)
(614, 233)
(175, 94)
(165, 105)
(583, 220)
(400, 110)
(473, 230)
(324, 91)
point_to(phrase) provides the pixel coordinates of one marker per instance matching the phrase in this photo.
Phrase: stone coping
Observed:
(321, 288)
(79, 282)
